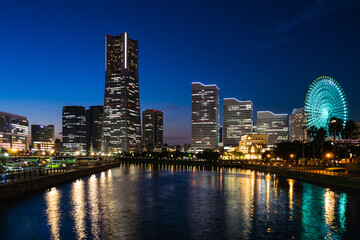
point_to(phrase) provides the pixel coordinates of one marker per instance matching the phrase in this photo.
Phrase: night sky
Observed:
(52, 54)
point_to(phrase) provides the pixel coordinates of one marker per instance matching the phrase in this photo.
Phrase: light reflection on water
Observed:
(185, 202)
(52, 198)
(78, 208)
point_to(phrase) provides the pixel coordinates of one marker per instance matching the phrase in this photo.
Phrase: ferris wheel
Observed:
(324, 99)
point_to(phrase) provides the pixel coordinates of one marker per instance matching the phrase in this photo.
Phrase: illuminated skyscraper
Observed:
(297, 125)
(152, 128)
(14, 131)
(238, 120)
(42, 137)
(274, 125)
(121, 120)
(74, 128)
(94, 121)
(204, 116)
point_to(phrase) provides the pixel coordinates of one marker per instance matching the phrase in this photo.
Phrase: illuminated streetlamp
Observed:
(328, 155)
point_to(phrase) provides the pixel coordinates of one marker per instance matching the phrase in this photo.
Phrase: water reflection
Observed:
(52, 198)
(149, 201)
(78, 210)
(94, 208)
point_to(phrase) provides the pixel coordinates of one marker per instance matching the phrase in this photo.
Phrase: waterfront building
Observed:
(274, 125)
(121, 119)
(74, 128)
(297, 125)
(14, 131)
(238, 120)
(42, 137)
(204, 117)
(152, 128)
(253, 145)
(94, 122)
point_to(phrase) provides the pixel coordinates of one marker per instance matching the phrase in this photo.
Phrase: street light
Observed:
(328, 155)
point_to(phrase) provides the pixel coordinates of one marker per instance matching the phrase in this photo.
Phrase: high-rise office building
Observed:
(94, 121)
(121, 120)
(152, 128)
(297, 125)
(42, 137)
(238, 120)
(14, 131)
(204, 116)
(74, 128)
(274, 125)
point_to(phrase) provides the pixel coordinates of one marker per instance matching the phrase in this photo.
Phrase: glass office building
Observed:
(204, 116)
(121, 119)
(238, 120)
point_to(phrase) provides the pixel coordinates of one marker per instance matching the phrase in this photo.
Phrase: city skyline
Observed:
(264, 67)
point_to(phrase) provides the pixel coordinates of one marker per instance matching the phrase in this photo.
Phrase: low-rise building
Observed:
(253, 145)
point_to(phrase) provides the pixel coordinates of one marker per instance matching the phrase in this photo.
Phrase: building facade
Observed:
(74, 128)
(14, 131)
(253, 145)
(153, 128)
(238, 120)
(204, 117)
(297, 125)
(274, 125)
(42, 137)
(121, 119)
(94, 123)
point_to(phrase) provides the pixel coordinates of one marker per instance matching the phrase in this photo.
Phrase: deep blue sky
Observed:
(52, 53)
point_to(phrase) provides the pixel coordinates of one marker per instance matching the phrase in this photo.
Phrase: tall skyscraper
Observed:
(152, 128)
(238, 120)
(297, 125)
(74, 128)
(204, 116)
(121, 120)
(14, 131)
(274, 125)
(94, 122)
(42, 137)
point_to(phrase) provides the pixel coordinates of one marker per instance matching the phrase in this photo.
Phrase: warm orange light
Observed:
(291, 155)
(268, 155)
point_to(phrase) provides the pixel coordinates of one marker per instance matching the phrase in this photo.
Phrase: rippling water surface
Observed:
(181, 202)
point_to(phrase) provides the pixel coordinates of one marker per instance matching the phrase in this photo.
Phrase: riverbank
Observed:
(312, 177)
(18, 188)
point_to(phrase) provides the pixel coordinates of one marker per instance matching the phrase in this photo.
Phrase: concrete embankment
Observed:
(19, 188)
(324, 180)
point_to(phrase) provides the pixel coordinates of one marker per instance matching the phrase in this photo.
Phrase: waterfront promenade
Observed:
(20, 183)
